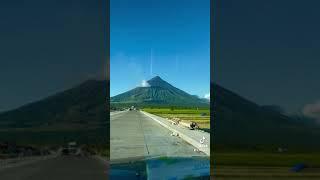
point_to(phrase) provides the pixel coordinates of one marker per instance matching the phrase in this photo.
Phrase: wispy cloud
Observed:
(177, 63)
(151, 62)
(127, 63)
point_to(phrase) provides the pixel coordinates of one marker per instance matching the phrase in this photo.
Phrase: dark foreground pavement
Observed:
(60, 168)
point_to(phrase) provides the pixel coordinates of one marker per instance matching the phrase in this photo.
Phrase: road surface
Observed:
(135, 135)
(60, 168)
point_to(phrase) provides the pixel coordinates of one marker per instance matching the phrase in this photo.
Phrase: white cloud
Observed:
(312, 110)
(145, 84)
(207, 96)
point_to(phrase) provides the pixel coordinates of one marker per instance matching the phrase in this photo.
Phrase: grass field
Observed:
(262, 173)
(264, 166)
(200, 116)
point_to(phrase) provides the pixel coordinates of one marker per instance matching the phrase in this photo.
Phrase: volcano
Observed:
(158, 92)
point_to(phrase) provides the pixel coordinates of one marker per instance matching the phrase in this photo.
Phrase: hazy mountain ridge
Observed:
(82, 104)
(242, 122)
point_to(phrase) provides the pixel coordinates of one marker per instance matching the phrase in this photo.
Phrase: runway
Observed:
(134, 135)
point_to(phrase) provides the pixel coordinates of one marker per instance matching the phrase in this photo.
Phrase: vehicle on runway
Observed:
(65, 151)
(132, 108)
(70, 149)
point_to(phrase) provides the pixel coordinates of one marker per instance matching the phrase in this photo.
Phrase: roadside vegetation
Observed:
(265, 165)
(267, 159)
(199, 115)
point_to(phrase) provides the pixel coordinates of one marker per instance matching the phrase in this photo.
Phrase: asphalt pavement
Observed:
(60, 168)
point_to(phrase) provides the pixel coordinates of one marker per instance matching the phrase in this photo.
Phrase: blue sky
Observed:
(168, 38)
